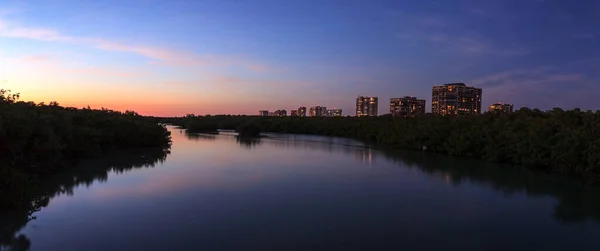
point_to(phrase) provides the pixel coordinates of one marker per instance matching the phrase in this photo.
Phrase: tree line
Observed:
(565, 141)
(37, 140)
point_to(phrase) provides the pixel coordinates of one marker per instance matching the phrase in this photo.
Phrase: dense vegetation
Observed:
(249, 129)
(38, 139)
(555, 140)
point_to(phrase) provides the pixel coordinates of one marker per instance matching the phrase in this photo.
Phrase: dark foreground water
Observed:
(286, 192)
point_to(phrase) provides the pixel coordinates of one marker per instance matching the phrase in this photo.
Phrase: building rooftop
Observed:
(455, 84)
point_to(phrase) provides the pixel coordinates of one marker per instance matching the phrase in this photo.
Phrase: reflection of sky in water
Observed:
(215, 192)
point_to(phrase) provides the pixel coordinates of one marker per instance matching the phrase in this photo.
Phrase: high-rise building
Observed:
(499, 107)
(366, 106)
(263, 113)
(294, 113)
(337, 112)
(407, 106)
(317, 111)
(302, 111)
(281, 113)
(455, 99)
(333, 113)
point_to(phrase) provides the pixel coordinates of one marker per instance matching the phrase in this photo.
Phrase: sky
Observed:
(170, 58)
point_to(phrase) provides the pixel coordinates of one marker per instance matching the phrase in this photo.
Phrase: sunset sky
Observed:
(240, 56)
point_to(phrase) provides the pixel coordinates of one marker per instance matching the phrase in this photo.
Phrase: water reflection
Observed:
(327, 144)
(576, 201)
(212, 181)
(247, 143)
(364, 155)
(86, 174)
(200, 136)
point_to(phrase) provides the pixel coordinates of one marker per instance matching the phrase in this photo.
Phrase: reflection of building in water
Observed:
(364, 155)
(312, 142)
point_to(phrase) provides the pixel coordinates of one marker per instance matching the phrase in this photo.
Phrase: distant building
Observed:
(407, 106)
(333, 113)
(280, 113)
(302, 111)
(317, 111)
(263, 113)
(337, 112)
(499, 107)
(294, 113)
(455, 99)
(366, 106)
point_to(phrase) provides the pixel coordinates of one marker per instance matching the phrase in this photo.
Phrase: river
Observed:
(299, 192)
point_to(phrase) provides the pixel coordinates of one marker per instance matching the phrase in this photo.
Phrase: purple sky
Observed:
(233, 56)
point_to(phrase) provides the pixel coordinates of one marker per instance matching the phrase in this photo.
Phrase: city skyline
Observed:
(456, 99)
(367, 106)
(407, 106)
(236, 57)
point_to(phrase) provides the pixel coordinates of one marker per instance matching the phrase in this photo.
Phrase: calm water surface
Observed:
(293, 192)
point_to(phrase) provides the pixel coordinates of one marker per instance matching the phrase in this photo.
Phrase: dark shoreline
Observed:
(562, 142)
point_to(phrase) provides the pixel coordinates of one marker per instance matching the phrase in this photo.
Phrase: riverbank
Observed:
(38, 140)
(566, 142)
(313, 179)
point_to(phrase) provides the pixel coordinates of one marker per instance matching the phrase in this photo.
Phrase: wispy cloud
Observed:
(481, 46)
(176, 83)
(7, 30)
(478, 12)
(39, 58)
(224, 81)
(158, 55)
(448, 33)
(431, 22)
(50, 35)
(464, 44)
(164, 56)
(584, 36)
(102, 71)
(7, 11)
(527, 77)
(541, 86)
(52, 65)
